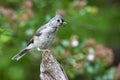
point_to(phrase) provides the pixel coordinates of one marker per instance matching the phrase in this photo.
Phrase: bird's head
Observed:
(57, 20)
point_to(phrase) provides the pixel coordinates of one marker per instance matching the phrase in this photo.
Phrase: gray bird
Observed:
(44, 37)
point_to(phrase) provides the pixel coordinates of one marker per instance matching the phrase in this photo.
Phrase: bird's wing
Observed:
(31, 41)
(38, 33)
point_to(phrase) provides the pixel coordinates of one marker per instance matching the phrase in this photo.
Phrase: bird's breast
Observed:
(45, 40)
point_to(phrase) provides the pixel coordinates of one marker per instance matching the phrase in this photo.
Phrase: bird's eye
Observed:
(58, 20)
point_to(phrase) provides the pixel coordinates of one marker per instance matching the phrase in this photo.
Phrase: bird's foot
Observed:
(47, 54)
(46, 51)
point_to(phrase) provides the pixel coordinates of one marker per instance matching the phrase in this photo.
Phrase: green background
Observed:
(97, 21)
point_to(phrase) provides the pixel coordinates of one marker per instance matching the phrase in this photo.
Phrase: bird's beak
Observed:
(64, 23)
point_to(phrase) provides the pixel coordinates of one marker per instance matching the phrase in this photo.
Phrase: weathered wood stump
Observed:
(50, 69)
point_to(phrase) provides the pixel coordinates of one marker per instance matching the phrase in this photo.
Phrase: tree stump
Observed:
(50, 69)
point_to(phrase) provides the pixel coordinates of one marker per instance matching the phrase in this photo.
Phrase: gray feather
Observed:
(40, 29)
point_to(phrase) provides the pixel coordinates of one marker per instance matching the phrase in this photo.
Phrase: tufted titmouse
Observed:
(44, 36)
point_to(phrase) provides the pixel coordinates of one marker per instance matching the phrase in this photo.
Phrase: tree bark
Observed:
(50, 69)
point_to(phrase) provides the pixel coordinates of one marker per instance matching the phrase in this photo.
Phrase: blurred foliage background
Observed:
(87, 47)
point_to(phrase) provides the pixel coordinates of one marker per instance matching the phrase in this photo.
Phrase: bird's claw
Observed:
(46, 51)
(47, 54)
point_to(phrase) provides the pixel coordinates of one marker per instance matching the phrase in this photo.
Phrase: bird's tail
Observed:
(20, 54)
